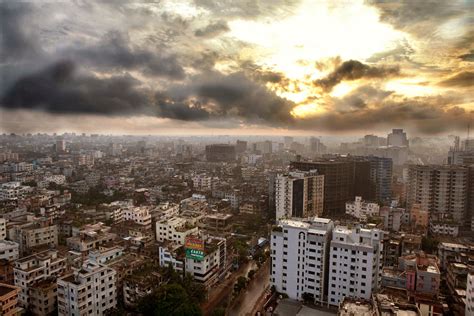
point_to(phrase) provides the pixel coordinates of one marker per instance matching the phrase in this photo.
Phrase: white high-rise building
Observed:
(355, 267)
(470, 294)
(90, 290)
(299, 194)
(300, 259)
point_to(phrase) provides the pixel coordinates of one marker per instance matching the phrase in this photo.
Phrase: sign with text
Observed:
(194, 248)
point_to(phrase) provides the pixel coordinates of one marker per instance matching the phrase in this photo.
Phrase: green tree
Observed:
(242, 249)
(196, 291)
(429, 244)
(240, 284)
(169, 299)
(220, 311)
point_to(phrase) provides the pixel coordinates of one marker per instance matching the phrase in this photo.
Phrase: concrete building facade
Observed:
(300, 257)
(299, 194)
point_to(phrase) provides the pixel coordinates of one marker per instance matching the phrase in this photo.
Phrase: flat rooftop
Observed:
(5, 289)
(356, 308)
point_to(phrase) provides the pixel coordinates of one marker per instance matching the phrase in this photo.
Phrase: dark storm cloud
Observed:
(60, 89)
(180, 110)
(361, 98)
(462, 79)
(223, 96)
(16, 41)
(115, 52)
(353, 70)
(419, 17)
(213, 29)
(428, 115)
(467, 57)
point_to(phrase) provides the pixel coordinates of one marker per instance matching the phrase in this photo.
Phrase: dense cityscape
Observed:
(237, 157)
(122, 225)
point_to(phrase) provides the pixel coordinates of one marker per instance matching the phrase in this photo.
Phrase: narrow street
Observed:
(221, 292)
(245, 303)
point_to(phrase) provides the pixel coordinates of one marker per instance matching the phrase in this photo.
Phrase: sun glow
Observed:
(317, 31)
(411, 87)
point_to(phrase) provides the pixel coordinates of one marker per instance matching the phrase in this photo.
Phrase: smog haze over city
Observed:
(236, 157)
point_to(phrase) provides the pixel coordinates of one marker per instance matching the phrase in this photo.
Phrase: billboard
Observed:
(194, 248)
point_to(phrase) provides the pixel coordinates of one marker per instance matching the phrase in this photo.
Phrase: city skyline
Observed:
(264, 68)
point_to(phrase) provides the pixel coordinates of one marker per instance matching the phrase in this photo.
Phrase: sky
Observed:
(254, 67)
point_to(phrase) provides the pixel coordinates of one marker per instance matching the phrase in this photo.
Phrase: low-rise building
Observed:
(470, 294)
(394, 218)
(361, 209)
(448, 251)
(3, 228)
(40, 266)
(13, 190)
(419, 217)
(416, 273)
(90, 237)
(6, 271)
(457, 277)
(43, 297)
(173, 255)
(90, 290)
(9, 300)
(139, 284)
(174, 230)
(139, 215)
(446, 228)
(9, 250)
(105, 254)
(218, 222)
(211, 266)
(33, 233)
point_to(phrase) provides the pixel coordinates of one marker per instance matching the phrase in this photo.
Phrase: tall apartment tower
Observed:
(88, 291)
(220, 152)
(397, 138)
(443, 190)
(344, 179)
(300, 257)
(299, 194)
(60, 145)
(355, 264)
(381, 176)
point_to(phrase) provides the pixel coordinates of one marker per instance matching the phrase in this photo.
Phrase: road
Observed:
(220, 293)
(245, 304)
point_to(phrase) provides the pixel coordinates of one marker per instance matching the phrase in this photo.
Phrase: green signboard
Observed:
(194, 254)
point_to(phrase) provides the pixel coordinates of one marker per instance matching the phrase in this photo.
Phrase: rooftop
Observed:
(359, 308)
(5, 289)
